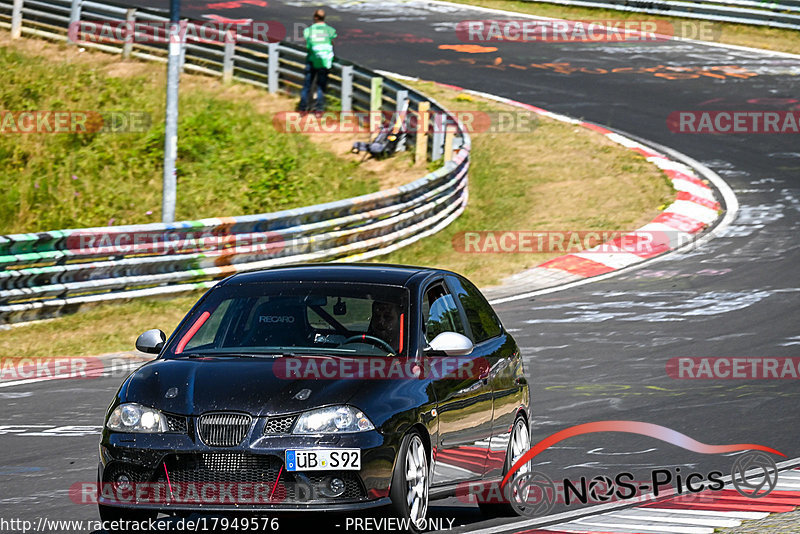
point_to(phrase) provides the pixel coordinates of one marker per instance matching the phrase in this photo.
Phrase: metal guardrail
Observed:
(49, 273)
(784, 14)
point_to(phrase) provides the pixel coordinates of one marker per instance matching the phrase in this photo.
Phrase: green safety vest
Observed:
(319, 42)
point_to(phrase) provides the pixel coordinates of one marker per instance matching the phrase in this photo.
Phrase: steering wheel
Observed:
(371, 339)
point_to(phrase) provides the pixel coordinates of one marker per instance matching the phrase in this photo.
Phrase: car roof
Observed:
(376, 273)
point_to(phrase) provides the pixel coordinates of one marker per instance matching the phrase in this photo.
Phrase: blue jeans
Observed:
(321, 77)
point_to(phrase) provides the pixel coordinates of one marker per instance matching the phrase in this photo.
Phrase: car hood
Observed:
(198, 385)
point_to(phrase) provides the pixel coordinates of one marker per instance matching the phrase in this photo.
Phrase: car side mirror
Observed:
(151, 341)
(452, 344)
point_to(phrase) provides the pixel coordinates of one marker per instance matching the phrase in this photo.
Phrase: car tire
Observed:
(410, 481)
(113, 514)
(518, 444)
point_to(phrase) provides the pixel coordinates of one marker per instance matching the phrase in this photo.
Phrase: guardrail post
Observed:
(74, 17)
(375, 103)
(422, 132)
(401, 108)
(347, 88)
(16, 20)
(227, 61)
(437, 146)
(449, 135)
(130, 33)
(272, 68)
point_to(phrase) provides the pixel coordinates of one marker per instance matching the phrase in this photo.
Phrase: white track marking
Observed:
(731, 514)
(692, 188)
(634, 515)
(693, 210)
(660, 528)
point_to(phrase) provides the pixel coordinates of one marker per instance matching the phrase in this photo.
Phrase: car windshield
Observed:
(302, 318)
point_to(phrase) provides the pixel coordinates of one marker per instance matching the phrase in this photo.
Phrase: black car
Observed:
(337, 387)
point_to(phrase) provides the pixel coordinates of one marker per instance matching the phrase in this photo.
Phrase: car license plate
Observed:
(323, 460)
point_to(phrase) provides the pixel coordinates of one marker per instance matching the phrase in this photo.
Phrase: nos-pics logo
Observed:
(531, 493)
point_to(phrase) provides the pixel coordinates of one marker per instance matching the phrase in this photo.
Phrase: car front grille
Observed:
(233, 468)
(177, 424)
(223, 429)
(279, 424)
(223, 467)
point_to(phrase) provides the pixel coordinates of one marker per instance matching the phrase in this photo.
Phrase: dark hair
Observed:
(319, 14)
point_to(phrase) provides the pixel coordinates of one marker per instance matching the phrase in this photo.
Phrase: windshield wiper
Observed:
(226, 354)
(265, 354)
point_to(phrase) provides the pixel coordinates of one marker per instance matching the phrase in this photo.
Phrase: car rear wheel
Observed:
(410, 482)
(518, 444)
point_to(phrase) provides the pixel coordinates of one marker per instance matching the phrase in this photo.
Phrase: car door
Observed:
(506, 377)
(464, 398)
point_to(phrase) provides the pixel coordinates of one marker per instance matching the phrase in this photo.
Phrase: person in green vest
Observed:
(319, 43)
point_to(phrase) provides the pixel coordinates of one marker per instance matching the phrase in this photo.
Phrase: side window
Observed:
(440, 313)
(481, 317)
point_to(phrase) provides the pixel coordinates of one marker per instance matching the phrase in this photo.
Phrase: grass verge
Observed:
(728, 33)
(231, 159)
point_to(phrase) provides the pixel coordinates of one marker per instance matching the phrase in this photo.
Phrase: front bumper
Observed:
(178, 472)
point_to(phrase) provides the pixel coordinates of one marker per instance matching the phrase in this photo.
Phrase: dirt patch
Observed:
(127, 69)
(392, 172)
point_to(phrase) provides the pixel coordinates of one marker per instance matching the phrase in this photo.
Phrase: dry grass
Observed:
(95, 330)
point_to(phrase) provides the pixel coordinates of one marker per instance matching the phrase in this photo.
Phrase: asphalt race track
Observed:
(594, 352)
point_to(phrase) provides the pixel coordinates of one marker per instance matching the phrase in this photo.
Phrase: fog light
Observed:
(335, 487)
(122, 481)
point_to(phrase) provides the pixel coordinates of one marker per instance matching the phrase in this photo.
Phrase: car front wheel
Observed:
(410, 482)
(519, 443)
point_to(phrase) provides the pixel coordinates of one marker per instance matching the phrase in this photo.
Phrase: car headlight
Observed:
(132, 417)
(332, 420)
